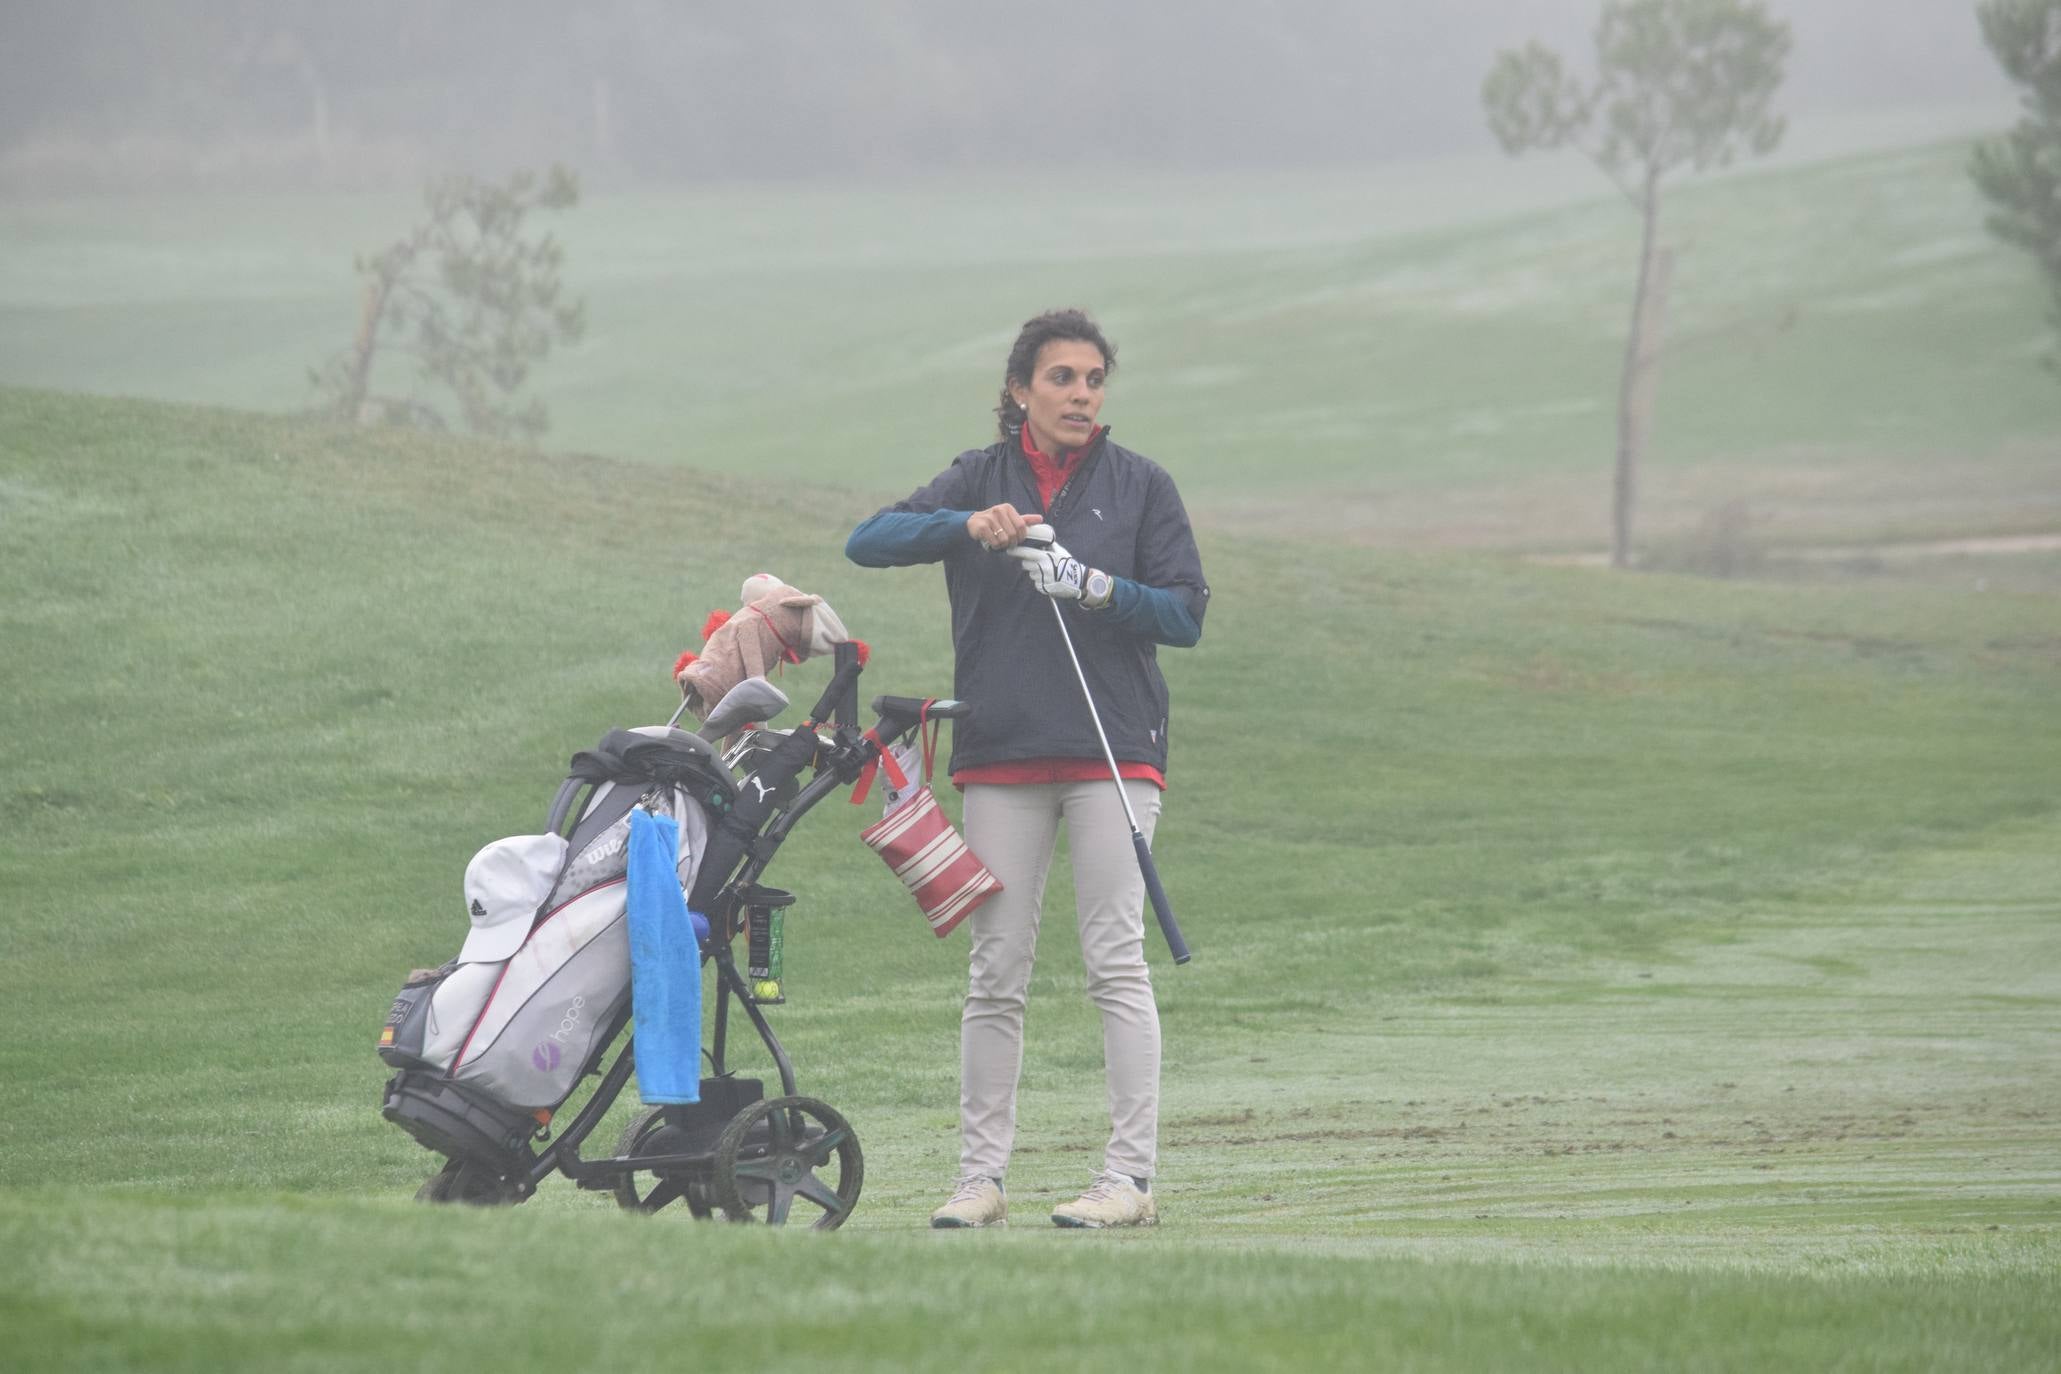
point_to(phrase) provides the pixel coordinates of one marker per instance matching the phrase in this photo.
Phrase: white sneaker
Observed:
(1112, 1200)
(976, 1200)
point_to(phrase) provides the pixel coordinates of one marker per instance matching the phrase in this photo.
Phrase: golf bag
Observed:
(490, 1047)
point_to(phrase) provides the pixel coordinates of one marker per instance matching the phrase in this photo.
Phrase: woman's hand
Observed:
(999, 527)
(1058, 574)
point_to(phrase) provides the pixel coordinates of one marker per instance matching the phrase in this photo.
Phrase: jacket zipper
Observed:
(1088, 461)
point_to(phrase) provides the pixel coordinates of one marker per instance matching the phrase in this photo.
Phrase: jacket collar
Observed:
(1071, 473)
(1064, 460)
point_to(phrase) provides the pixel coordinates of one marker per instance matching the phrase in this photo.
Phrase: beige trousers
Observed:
(1014, 829)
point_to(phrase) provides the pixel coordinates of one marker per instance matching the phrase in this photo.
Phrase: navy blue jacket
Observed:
(1118, 512)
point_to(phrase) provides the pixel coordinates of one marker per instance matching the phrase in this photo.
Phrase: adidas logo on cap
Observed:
(505, 884)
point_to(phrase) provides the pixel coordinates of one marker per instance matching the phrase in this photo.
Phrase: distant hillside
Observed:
(1422, 355)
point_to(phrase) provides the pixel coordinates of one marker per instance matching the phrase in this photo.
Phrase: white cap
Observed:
(504, 885)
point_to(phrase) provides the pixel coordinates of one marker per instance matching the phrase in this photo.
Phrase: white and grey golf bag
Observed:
(488, 1048)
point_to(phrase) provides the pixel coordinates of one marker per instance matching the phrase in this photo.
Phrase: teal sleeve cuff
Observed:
(1157, 613)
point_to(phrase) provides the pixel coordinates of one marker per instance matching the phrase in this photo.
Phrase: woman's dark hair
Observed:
(1036, 333)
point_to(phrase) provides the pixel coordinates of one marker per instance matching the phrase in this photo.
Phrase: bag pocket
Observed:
(947, 879)
(917, 841)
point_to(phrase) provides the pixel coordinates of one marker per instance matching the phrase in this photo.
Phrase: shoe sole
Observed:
(953, 1224)
(1081, 1224)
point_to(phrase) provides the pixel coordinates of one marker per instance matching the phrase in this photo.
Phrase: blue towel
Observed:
(665, 965)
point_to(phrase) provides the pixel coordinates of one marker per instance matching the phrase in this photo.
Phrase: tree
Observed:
(2021, 172)
(471, 300)
(1679, 84)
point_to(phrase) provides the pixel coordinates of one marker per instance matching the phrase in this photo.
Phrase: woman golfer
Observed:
(1124, 568)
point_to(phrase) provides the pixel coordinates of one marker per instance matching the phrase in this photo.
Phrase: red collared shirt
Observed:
(1052, 472)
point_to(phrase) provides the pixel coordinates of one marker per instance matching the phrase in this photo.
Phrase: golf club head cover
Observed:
(777, 625)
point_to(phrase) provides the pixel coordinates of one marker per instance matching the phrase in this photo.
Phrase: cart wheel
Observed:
(649, 1134)
(771, 1153)
(462, 1180)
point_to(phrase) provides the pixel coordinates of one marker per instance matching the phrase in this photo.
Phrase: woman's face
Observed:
(1064, 394)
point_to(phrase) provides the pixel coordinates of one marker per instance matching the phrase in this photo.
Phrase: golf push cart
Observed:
(488, 1053)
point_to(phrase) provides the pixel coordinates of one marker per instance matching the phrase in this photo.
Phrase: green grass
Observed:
(1592, 972)
(291, 1284)
(1421, 356)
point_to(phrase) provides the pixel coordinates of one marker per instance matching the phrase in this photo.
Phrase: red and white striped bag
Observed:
(945, 877)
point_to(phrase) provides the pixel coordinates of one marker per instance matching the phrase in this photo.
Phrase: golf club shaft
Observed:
(1108, 754)
(1161, 907)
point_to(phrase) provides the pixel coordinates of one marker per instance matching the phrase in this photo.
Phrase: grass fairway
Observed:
(1593, 972)
(289, 1284)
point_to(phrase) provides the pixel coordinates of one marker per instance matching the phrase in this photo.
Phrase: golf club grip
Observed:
(840, 683)
(847, 654)
(1161, 907)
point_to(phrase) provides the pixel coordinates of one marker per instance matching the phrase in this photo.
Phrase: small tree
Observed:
(1679, 84)
(472, 301)
(2021, 172)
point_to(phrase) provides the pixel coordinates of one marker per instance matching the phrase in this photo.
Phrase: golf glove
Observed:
(1058, 574)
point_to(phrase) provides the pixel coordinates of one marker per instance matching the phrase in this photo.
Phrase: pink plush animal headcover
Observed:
(777, 624)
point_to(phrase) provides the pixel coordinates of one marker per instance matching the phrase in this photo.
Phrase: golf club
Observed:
(1161, 907)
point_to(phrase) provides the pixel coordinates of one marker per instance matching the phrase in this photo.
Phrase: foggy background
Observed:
(132, 94)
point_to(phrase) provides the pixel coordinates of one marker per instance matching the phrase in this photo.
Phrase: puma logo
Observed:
(764, 790)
